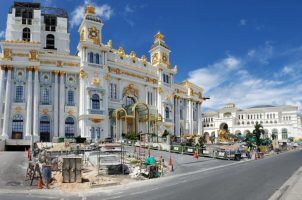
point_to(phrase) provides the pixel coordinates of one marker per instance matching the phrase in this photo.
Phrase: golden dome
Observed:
(159, 36)
(90, 9)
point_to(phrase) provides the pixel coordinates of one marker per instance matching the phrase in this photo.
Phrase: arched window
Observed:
(45, 96)
(26, 34)
(167, 112)
(19, 93)
(90, 57)
(44, 129)
(95, 102)
(17, 127)
(70, 97)
(69, 127)
(97, 58)
(50, 41)
(284, 134)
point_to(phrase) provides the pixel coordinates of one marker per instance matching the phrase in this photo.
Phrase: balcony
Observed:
(97, 112)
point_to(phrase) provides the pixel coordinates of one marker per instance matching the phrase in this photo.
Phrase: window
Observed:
(167, 113)
(19, 93)
(97, 58)
(181, 114)
(50, 41)
(95, 102)
(70, 98)
(17, 127)
(44, 129)
(27, 16)
(90, 55)
(26, 34)
(113, 91)
(45, 96)
(195, 115)
(69, 127)
(150, 98)
(284, 134)
(50, 23)
(166, 78)
(95, 133)
(130, 101)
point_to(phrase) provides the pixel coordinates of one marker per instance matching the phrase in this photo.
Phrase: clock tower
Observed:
(160, 52)
(91, 27)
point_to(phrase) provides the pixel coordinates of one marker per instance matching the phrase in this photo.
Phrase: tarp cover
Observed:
(150, 161)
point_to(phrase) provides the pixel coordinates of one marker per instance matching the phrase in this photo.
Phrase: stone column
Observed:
(7, 108)
(82, 104)
(29, 104)
(62, 105)
(56, 106)
(2, 73)
(36, 104)
(199, 118)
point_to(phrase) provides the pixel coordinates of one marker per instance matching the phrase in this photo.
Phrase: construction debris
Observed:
(74, 167)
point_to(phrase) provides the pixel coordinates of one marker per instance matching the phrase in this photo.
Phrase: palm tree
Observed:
(258, 131)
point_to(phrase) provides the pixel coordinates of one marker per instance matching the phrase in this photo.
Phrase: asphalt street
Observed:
(227, 180)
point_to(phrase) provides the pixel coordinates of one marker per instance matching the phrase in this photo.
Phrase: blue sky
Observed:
(246, 52)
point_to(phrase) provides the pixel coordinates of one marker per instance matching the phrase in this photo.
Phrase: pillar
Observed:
(2, 73)
(56, 106)
(62, 105)
(36, 104)
(7, 107)
(28, 131)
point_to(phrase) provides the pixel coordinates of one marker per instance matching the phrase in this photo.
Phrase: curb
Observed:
(284, 190)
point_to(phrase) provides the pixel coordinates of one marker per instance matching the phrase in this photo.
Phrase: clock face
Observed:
(93, 34)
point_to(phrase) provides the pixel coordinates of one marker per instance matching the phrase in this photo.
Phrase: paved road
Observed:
(13, 167)
(233, 180)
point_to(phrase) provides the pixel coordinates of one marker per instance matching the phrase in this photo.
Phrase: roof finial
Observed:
(159, 36)
(90, 9)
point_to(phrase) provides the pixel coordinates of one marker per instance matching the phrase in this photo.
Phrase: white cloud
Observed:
(229, 80)
(242, 22)
(215, 74)
(104, 11)
(2, 34)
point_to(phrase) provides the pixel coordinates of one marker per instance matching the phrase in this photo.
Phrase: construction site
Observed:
(71, 166)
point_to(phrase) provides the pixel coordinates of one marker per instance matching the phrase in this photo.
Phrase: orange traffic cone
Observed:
(170, 161)
(195, 155)
(40, 183)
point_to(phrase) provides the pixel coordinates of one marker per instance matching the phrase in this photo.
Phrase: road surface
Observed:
(233, 180)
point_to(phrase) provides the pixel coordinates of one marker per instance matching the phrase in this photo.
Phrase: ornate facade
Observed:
(102, 92)
(283, 121)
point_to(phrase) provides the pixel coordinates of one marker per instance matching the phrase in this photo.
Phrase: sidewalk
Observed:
(291, 189)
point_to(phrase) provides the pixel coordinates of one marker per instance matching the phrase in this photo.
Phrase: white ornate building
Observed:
(284, 121)
(101, 92)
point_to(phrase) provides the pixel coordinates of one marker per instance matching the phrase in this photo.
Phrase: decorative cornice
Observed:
(127, 73)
